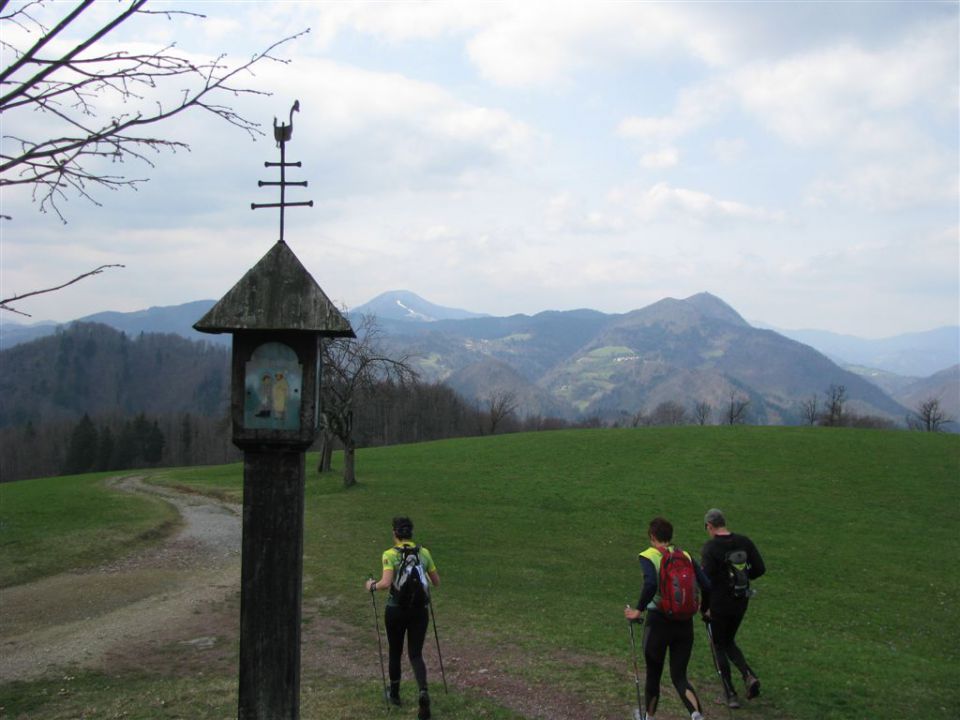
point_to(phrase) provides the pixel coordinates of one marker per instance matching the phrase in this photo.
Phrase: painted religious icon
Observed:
(273, 389)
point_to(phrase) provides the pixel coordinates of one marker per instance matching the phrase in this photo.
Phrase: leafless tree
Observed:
(737, 409)
(58, 92)
(58, 96)
(810, 409)
(836, 398)
(929, 416)
(638, 419)
(499, 406)
(702, 411)
(351, 369)
(668, 413)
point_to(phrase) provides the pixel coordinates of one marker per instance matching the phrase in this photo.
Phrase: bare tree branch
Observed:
(5, 303)
(69, 88)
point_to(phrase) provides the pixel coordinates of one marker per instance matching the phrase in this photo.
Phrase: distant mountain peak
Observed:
(712, 306)
(408, 306)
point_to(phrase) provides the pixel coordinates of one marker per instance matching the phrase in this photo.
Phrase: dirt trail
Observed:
(146, 599)
(183, 595)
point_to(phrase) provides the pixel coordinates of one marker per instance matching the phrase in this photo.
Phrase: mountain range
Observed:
(583, 362)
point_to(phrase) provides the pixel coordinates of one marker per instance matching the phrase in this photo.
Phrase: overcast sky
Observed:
(798, 160)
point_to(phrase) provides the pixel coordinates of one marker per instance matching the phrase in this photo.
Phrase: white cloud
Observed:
(696, 107)
(665, 203)
(828, 95)
(537, 43)
(660, 159)
(729, 150)
(565, 214)
(890, 184)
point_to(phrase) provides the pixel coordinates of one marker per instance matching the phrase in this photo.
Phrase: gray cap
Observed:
(715, 517)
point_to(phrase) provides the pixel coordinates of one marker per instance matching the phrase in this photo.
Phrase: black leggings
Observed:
(659, 635)
(411, 622)
(724, 627)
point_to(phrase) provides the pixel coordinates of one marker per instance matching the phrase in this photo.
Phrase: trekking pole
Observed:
(636, 670)
(436, 637)
(716, 664)
(383, 673)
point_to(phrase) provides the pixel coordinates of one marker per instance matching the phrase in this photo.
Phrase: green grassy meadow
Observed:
(55, 524)
(536, 536)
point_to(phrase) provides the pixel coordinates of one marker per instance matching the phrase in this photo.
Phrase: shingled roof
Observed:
(276, 294)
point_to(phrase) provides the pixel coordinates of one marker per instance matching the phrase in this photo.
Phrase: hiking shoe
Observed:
(753, 687)
(733, 702)
(424, 704)
(394, 699)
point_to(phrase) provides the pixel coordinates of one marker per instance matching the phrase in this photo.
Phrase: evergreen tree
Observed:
(105, 450)
(82, 451)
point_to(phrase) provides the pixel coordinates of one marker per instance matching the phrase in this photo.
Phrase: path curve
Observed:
(146, 598)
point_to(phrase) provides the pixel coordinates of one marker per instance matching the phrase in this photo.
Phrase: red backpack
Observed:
(679, 592)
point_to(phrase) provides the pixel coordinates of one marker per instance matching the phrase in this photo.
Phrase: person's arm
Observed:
(757, 568)
(646, 593)
(703, 573)
(434, 577)
(385, 581)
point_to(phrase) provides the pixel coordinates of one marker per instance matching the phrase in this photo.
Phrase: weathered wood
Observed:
(271, 584)
(276, 294)
(276, 313)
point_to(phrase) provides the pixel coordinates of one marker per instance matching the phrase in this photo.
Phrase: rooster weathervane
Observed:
(282, 134)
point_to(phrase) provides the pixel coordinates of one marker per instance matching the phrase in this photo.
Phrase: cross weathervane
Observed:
(282, 134)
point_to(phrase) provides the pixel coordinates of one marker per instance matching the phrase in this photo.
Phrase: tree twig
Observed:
(5, 303)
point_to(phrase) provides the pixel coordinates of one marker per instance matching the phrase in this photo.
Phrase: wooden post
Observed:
(277, 314)
(271, 584)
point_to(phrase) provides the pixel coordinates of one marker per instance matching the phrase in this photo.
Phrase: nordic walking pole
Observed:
(716, 664)
(636, 669)
(376, 621)
(436, 637)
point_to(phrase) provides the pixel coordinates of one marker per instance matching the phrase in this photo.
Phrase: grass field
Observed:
(51, 525)
(536, 537)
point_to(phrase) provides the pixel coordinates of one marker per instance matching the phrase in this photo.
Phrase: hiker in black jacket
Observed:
(730, 561)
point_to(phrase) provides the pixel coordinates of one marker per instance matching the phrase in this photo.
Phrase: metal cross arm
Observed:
(257, 206)
(282, 134)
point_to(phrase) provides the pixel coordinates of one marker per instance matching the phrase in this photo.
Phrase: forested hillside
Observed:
(94, 369)
(91, 398)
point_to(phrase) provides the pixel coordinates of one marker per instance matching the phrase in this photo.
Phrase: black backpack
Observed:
(409, 588)
(738, 577)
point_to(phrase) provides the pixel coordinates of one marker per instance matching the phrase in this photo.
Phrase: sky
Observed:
(798, 160)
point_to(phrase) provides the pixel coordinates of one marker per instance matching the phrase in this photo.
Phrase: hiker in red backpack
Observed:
(670, 599)
(730, 561)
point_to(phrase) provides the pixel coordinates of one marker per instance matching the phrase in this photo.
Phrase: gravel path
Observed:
(182, 593)
(150, 598)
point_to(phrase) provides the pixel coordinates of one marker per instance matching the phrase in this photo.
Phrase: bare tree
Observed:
(702, 411)
(737, 409)
(929, 416)
(59, 94)
(351, 369)
(836, 398)
(668, 413)
(499, 406)
(810, 409)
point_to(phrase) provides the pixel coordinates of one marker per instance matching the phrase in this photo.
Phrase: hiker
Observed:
(666, 628)
(406, 567)
(729, 561)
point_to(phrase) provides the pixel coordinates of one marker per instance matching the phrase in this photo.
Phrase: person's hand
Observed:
(370, 585)
(631, 614)
(705, 615)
